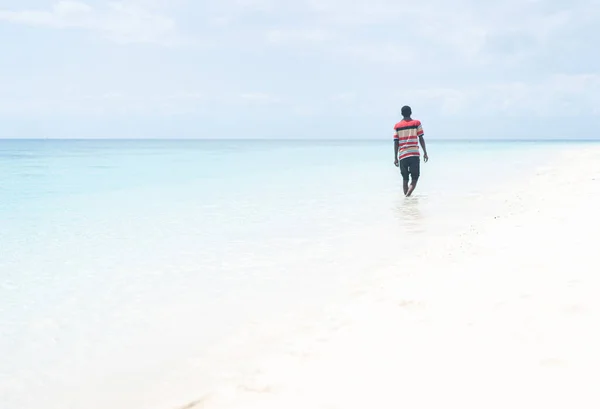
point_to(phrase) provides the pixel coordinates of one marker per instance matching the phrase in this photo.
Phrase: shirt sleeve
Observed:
(396, 137)
(420, 129)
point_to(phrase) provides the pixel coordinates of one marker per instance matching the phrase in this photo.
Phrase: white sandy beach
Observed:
(504, 315)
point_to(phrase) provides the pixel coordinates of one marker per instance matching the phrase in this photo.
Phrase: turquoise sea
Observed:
(122, 262)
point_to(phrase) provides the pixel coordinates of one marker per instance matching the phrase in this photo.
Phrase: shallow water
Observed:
(128, 259)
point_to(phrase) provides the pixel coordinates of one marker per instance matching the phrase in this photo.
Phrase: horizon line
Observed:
(597, 139)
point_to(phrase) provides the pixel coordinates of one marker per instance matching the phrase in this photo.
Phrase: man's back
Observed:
(407, 134)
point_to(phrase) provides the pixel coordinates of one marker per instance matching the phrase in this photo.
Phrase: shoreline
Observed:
(500, 315)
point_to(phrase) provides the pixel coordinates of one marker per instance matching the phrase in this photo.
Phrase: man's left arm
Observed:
(421, 134)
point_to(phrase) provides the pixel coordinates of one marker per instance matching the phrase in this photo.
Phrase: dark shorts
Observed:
(410, 166)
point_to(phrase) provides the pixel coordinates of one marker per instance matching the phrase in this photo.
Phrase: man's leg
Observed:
(414, 169)
(411, 188)
(404, 172)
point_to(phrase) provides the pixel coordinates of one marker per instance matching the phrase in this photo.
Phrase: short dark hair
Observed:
(406, 111)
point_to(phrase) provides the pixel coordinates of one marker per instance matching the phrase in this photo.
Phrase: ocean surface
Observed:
(123, 262)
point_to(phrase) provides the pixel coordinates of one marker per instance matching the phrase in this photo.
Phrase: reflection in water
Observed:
(408, 211)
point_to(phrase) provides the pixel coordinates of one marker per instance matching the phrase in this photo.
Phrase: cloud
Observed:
(116, 102)
(563, 95)
(344, 97)
(120, 21)
(296, 36)
(260, 98)
(467, 31)
(380, 53)
(308, 58)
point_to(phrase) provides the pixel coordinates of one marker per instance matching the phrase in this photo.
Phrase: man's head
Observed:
(406, 111)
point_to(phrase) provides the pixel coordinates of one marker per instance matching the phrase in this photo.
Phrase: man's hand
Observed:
(396, 162)
(425, 157)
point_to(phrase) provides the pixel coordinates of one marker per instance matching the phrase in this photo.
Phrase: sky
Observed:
(298, 69)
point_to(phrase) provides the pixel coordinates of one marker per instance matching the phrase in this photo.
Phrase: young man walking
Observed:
(407, 136)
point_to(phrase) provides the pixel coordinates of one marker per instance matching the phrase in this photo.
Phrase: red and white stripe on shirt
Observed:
(407, 134)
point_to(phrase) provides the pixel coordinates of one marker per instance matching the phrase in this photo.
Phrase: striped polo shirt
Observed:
(407, 133)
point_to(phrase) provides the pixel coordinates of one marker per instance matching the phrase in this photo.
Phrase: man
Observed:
(408, 134)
